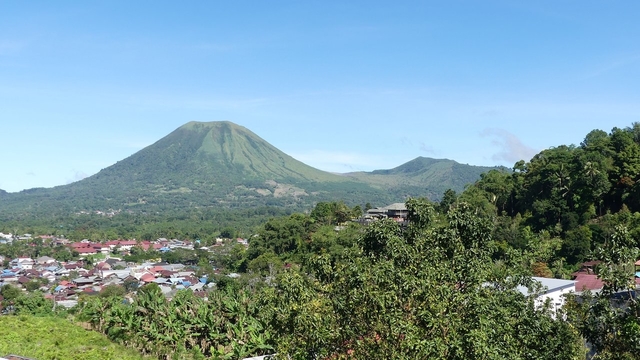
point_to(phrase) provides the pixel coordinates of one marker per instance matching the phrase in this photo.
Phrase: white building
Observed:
(23, 263)
(553, 290)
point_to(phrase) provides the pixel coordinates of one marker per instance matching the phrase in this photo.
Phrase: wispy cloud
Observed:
(489, 113)
(614, 64)
(197, 102)
(77, 176)
(339, 161)
(420, 145)
(428, 149)
(11, 46)
(511, 148)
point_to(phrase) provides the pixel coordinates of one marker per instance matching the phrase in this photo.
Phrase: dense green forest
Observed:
(568, 196)
(191, 224)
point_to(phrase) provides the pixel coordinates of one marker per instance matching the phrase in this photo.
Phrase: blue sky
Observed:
(342, 86)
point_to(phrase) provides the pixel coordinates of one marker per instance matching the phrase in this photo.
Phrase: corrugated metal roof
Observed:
(550, 285)
(397, 207)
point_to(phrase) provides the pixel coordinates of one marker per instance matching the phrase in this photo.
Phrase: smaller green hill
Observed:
(422, 176)
(45, 338)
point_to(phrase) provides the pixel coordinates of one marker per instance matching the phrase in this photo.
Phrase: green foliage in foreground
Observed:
(45, 338)
(610, 319)
(225, 326)
(428, 291)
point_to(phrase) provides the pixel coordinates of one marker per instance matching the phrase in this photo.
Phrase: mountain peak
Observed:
(210, 124)
(224, 146)
(222, 164)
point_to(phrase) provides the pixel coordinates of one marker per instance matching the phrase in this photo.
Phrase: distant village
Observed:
(64, 281)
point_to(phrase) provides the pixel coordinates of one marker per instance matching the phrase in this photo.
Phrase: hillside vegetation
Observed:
(574, 195)
(423, 177)
(223, 166)
(51, 338)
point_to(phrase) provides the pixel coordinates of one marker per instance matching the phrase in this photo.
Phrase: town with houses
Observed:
(65, 281)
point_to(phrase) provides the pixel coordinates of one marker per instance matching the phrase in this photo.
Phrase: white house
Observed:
(23, 263)
(126, 245)
(104, 249)
(122, 274)
(45, 260)
(553, 290)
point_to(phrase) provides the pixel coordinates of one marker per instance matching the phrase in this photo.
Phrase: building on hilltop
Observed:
(396, 211)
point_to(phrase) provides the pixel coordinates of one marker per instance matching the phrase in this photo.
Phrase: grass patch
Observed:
(48, 338)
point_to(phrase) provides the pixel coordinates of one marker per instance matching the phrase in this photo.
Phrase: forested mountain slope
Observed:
(431, 177)
(224, 165)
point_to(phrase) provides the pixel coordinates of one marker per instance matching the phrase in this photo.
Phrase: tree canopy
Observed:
(428, 291)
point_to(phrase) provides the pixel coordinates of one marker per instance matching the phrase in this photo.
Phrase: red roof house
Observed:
(147, 277)
(588, 282)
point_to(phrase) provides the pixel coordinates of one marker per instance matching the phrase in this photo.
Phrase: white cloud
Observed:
(337, 161)
(428, 149)
(511, 148)
(77, 176)
(421, 145)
